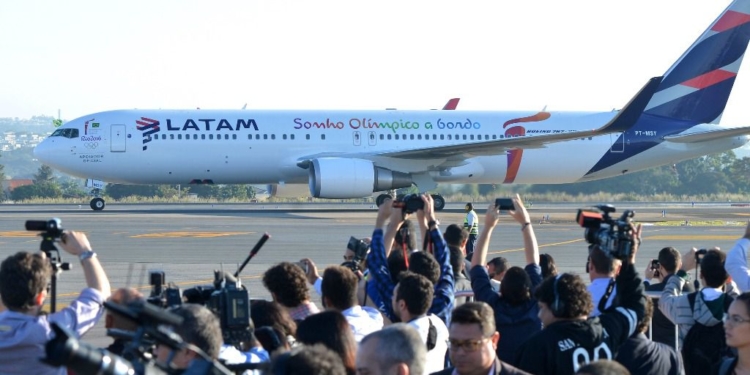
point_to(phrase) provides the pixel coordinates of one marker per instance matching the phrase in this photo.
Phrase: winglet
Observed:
(451, 105)
(629, 115)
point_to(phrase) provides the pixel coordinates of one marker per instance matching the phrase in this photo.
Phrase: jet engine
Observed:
(352, 178)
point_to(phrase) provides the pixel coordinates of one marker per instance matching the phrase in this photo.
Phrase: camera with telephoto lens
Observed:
(51, 228)
(410, 203)
(360, 248)
(65, 349)
(613, 236)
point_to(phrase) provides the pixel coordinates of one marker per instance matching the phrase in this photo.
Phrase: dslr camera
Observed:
(360, 248)
(613, 236)
(410, 203)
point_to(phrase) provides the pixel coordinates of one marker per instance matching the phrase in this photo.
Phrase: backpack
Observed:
(703, 345)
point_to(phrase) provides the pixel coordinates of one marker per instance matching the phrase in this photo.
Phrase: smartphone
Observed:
(504, 204)
(654, 264)
(302, 265)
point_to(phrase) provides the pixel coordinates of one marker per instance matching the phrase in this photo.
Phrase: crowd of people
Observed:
(401, 308)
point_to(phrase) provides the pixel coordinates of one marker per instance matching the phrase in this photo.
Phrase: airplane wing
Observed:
(709, 135)
(625, 119)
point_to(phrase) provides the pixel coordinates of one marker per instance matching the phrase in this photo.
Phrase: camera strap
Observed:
(603, 302)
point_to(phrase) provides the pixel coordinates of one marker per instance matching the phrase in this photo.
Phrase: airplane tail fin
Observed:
(696, 88)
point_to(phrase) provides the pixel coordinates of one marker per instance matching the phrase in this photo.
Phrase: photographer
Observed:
(201, 328)
(23, 286)
(569, 338)
(380, 288)
(669, 261)
(516, 312)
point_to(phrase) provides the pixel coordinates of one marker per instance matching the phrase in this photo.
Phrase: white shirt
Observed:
(363, 320)
(436, 357)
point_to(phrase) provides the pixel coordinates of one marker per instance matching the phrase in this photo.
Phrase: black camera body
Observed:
(360, 248)
(613, 236)
(52, 227)
(160, 296)
(410, 203)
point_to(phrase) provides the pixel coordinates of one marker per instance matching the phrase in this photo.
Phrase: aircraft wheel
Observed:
(382, 197)
(97, 204)
(438, 201)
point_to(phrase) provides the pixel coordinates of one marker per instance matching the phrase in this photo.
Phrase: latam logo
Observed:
(148, 127)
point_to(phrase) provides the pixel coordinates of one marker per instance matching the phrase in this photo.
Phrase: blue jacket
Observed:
(380, 288)
(515, 323)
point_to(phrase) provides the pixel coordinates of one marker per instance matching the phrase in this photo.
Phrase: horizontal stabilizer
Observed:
(710, 135)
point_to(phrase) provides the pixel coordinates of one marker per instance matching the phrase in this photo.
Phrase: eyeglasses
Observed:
(467, 345)
(734, 320)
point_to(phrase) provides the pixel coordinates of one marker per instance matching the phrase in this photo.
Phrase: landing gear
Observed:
(97, 204)
(438, 202)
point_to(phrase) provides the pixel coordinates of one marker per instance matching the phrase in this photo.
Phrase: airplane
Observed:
(341, 154)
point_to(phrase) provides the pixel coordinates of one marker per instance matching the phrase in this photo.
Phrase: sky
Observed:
(82, 57)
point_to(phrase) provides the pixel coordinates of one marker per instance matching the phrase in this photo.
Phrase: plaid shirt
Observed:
(302, 311)
(380, 287)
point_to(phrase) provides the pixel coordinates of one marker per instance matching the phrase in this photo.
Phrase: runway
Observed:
(188, 242)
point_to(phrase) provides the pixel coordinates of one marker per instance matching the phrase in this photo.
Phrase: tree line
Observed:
(722, 173)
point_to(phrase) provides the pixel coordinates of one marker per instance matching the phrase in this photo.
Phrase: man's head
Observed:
(473, 338)
(412, 295)
(603, 367)
(516, 286)
(308, 359)
(548, 266)
(287, 283)
(406, 236)
(456, 236)
(339, 288)
(396, 265)
(496, 267)
(123, 296)
(469, 207)
(601, 264)
(395, 349)
(712, 269)
(563, 297)
(424, 263)
(457, 259)
(200, 327)
(670, 260)
(23, 281)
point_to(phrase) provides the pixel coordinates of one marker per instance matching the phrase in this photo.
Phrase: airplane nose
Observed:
(42, 152)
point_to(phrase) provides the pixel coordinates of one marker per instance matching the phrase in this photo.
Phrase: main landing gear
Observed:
(97, 204)
(437, 199)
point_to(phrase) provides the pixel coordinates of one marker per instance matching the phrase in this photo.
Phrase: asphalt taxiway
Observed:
(188, 242)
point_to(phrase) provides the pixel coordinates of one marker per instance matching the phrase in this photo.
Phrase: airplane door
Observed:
(357, 138)
(618, 142)
(372, 138)
(117, 138)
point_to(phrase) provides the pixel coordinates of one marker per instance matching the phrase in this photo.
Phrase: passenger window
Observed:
(210, 136)
(273, 136)
(283, 137)
(203, 136)
(179, 136)
(171, 136)
(307, 136)
(389, 137)
(382, 137)
(323, 136)
(396, 136)
(472, 137)
(419, 136)
(411, 136)
(291, 136)
(265, 136)
(234, 136)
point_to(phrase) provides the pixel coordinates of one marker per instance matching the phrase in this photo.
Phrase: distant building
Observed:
(9, 185)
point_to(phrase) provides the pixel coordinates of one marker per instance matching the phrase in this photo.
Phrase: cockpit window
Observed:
(67, 133)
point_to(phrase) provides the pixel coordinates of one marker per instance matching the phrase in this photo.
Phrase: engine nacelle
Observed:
(352, 178)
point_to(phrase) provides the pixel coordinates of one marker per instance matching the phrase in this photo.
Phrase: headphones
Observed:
(558, 306)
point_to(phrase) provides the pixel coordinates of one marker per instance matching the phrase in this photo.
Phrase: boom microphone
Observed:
(254, 251)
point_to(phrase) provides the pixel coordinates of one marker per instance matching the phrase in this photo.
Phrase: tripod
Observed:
(53, 254)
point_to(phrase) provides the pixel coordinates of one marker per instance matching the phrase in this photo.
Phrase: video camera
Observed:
(163, 297)
(612, 236)
(410, 203)
(360, 248)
